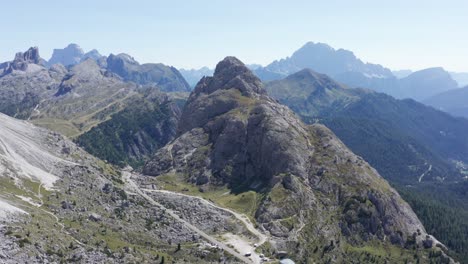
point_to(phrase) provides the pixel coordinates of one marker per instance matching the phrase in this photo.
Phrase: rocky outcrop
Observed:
(232, 134)
(24, 82)
(23, 61)
(85, 72)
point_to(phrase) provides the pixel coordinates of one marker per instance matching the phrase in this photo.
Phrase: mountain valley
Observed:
(223, 174)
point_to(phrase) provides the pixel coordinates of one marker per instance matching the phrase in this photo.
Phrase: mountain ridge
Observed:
(233, 134)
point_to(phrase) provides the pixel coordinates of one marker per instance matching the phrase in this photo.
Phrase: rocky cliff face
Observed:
(25, 82)
(320, 201)
(70, 55)
(24, 61)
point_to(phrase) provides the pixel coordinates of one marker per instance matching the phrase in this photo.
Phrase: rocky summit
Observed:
(314, 199)
(22, 62)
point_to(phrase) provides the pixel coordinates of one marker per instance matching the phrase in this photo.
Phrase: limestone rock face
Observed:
(23, 60)
(70, 55)
(231, 133)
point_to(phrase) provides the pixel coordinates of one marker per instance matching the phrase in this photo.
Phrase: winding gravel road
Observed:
(246, 247)
(132, 186)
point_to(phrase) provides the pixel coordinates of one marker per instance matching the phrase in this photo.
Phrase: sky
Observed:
(191, 34)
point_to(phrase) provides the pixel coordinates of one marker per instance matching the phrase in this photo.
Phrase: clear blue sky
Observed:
(397, 34)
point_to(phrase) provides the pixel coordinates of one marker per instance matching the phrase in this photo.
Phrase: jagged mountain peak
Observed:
(28, 61)
(121, 58)
(232, 85)
(231, 73)
(30, 56)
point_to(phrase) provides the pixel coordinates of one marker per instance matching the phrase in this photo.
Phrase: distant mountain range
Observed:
(423, 84)
(460, 77)
(323, 59)
(454, 101)
(95, 100)
(343, 66)
(167, 78)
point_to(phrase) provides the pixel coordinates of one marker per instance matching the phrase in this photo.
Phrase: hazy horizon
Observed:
(193, 34)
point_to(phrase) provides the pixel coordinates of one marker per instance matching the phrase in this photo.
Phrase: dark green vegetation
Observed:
(131, 135)
(400, 138)
(444, 212)
(407, 142)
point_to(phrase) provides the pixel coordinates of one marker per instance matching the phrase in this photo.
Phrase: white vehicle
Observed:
(248, 254)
